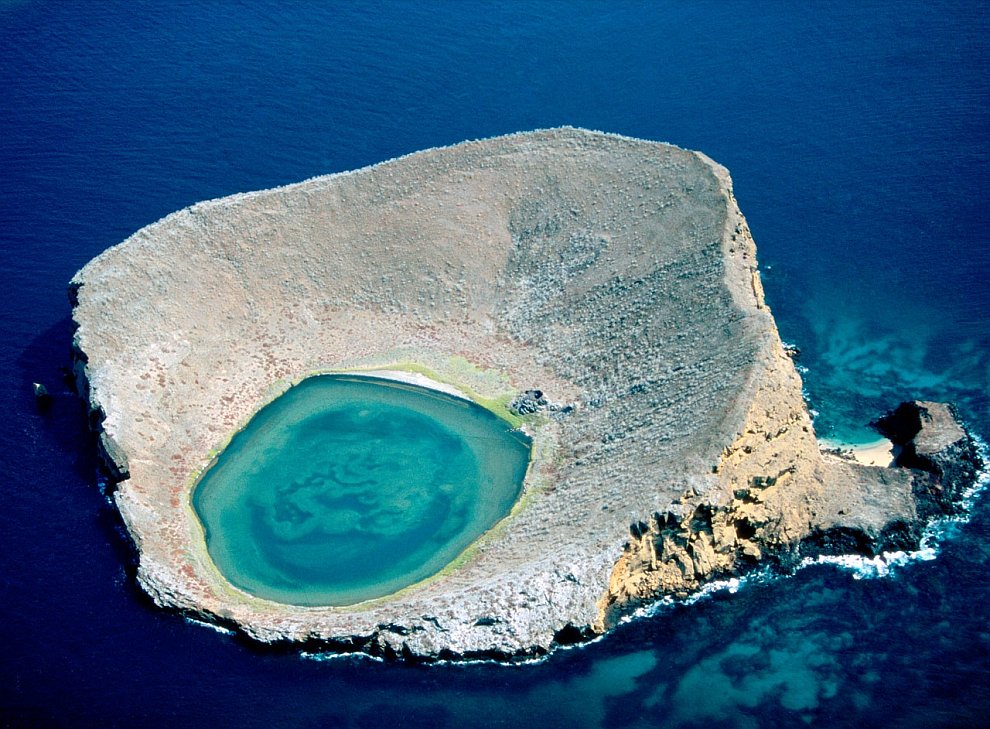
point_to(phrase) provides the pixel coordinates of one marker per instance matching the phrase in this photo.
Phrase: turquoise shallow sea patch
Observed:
(348, 488)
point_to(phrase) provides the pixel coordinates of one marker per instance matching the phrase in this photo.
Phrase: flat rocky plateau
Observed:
(616, 275)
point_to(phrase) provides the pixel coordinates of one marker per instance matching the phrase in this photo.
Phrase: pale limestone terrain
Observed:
(616, 275)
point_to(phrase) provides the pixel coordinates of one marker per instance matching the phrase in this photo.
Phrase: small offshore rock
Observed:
(41, 395)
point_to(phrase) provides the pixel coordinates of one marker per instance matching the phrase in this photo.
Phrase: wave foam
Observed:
(212, 626)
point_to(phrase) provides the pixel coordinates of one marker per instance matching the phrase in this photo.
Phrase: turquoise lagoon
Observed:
(347, 488)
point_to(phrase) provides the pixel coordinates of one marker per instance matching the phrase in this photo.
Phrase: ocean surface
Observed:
(857, 137)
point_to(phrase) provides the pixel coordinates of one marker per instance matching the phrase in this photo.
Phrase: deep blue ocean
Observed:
(857, 137)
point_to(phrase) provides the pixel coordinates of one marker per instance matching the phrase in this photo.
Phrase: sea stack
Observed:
(607, 287)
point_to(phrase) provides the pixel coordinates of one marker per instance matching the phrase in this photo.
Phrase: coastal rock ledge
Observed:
(672, 445)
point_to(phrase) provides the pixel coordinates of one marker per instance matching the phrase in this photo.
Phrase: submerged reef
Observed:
(599, 291)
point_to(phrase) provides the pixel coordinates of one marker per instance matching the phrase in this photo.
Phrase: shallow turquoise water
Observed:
(349, 488)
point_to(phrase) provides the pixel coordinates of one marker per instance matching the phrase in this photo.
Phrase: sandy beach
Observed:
(880, 452)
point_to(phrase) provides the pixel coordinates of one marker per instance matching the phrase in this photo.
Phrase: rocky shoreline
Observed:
(672, 444)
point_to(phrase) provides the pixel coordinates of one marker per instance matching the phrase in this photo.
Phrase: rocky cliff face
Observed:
(811, 506)
(616, 276)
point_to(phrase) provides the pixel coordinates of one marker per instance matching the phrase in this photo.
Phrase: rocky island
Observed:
(600, 292)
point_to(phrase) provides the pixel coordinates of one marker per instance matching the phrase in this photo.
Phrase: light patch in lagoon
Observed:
(349, 488)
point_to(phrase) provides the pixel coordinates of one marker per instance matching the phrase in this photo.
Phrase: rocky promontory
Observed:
(603, 291)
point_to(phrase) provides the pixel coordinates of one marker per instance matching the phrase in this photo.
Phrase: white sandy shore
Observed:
(409, 378)
(880, 452)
